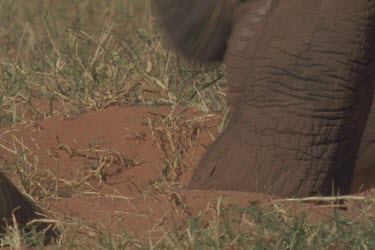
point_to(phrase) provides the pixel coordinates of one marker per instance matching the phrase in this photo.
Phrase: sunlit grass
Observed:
(78, 56)
(89, 55)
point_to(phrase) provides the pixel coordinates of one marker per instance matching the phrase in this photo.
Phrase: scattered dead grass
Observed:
(114, 176)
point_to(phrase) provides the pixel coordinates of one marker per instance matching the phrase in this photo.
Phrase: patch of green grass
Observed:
(253, 228)
(92, 55)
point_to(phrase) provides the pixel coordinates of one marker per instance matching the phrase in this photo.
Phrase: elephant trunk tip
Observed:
(196, 29)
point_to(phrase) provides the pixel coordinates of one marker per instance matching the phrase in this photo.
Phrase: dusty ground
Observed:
(127, 168)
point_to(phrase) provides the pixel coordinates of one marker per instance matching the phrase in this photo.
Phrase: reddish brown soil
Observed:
(135, 198)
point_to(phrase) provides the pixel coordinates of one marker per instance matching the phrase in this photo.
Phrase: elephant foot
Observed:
(239, 160)
(249, 159)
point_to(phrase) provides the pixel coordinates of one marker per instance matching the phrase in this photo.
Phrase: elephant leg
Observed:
(309, 88)
(12, 200)
(364, 172)
(13, 203)
(245, 34)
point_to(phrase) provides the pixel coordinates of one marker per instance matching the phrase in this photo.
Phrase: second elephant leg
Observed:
(364, 173)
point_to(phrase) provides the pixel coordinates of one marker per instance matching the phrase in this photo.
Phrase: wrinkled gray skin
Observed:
(300, 79)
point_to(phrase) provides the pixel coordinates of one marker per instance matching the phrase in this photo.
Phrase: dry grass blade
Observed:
(327, 199)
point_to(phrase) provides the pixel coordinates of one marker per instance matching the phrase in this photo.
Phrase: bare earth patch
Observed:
(126, 168)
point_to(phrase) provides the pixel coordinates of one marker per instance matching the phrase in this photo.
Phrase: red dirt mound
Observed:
(123, 168)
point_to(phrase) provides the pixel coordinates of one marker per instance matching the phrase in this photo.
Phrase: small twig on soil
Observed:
(85, 154)
(108, 195)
